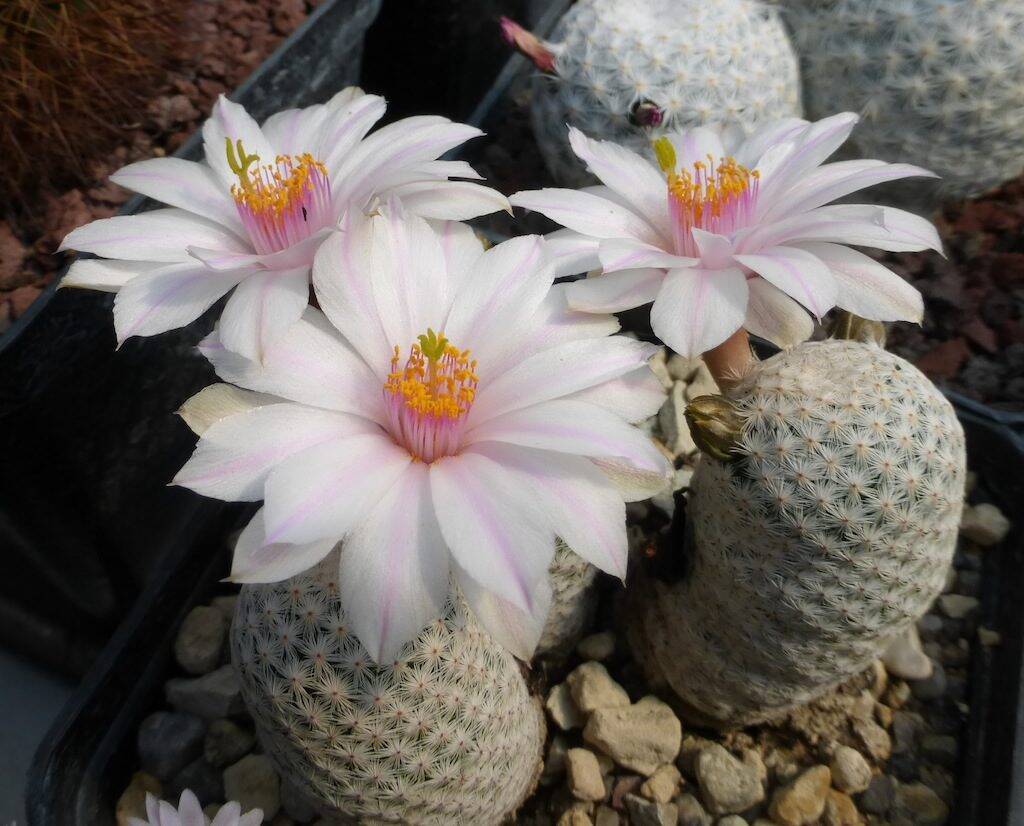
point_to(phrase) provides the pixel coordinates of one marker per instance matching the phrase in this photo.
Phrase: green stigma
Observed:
(239, 163)
(432, 344)
(666, 154)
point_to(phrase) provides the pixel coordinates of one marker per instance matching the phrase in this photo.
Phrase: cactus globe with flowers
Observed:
(440, 432)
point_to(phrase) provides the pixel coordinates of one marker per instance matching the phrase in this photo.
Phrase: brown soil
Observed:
(223, 41)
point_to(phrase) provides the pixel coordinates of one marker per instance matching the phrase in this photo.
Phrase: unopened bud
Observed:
(528, 44)
(646, 113)
(847, 326)
(715, 425)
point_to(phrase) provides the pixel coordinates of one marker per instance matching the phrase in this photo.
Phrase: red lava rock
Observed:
(109, 193)
(21, 298)
(1008, 268)
(65, 213)
(288, 15)
(981, 334)
(1011, 332)
(170, 110)
(12, 259)
(944, 360)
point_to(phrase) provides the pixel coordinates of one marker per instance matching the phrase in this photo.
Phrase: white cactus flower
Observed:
(446, 416)
(190, 813)
(252, 217)
(731, 234)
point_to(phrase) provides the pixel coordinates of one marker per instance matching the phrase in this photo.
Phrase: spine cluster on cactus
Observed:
(447, 734)
(618, 62)
(828, 532)
(939, 83)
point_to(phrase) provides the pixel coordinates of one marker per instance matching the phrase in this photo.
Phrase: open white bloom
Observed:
(726, 234)
(446, 416)
(253, 215)
(190, 813)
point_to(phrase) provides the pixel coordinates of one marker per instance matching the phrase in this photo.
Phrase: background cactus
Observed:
(449, 734)
(573, 583)
(939, 83)
(828, 533)
(729, 62)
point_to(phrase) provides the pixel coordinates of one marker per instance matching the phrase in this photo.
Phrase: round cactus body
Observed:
(448, 734)
(829, 532)
(727, 63)
(939, 83)
(573, 581)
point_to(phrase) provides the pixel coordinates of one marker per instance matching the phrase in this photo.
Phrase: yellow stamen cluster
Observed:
(709, 187)
(438, 379)
(273, 187)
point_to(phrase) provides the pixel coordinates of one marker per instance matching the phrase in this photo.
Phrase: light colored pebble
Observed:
(584, 775)
(802, 801)
(254, 783)
(957, 606)
(562, 708)
(640, 737)
(850, 771)
(984, 525)
(597, 646)
(727, 785)
(592, 688)
(905, 658)
(662, 786)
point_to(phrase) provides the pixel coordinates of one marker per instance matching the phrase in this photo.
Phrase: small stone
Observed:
(984, 524)
(202, 779)
(874, 738)
(592, 688)
(648, 813)
(880, 795)
(897, 695)
(660, 369)
(562, 709)
(226, 605)
(840, 810)
(883, 714)
(584, 775)
(969, 583)
(802, 801)
(296, 803)
(200, 642)
(681, 368)
(727, 786)
(906, 659)
(879, 679)
(956, 654)
(212, 696)
(850, 771)
(627, 784)
(672, 421)
(226, 742)
(932, 688)
(731, 820)
(662, 786)
(606, 816)
(575, 817)
(691, 746)
(921, 805)
(640, 737)
(691, 812)
(701, 383)
(132, 802)
(168, 742)
(957, 606)
(597, 646)
(940, 748)
(929, 626)
(989, 638)
(554, 765)
(752, 760)
(254, 783)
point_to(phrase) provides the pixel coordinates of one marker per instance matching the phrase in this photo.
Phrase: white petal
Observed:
(447, 169)
(105, 275)
(309, 363)
(698, 309)
(615, 291)
(627, 254)
(798, 274)
(588, 214)
(574, 427)
(299, 254)
(235, 455)
(213, 403)
(394, 568)
(774, 316)
(230, 121)
(493, 525)
(261, 309)
(866, 288)
(345, 125)
(168, 298)
(694, 145)
(636, 181)
(190, 813)
(161, 235)
(811, 148)
(513, 629)
(554, 323)
(559, 371)
(766, 136)
(462, 248)
(509, 282)
(228, 815)
(185, 184)
(636, 396)
(571, 252)
(454, 200)
(585, 508)
(860, 224)
(632, 483)
(325, 491)
(254, 561)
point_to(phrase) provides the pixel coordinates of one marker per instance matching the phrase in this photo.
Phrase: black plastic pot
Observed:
(88, 435)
